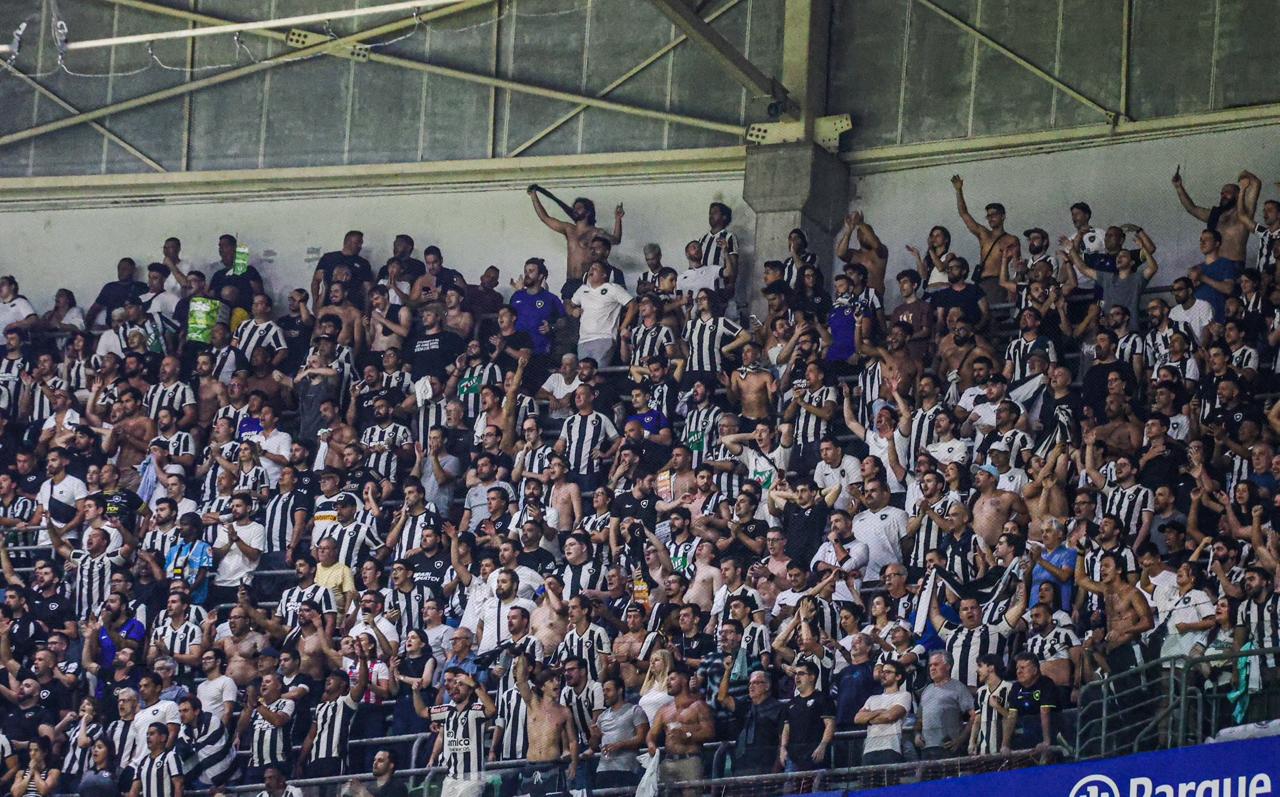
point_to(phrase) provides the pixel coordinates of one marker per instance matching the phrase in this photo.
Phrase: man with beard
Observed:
(993, 242)
(172, 446)
(685, 724)
(537, 309)
(871, 253)
(1020, 348)
(1231, 217)
(237, 549)
(130, 438)
(436, 350)
(960, 294)
(578, 233)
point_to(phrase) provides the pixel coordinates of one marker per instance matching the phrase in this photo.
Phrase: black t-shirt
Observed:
(393, 788)
(360, 269)
(804, 716)
(756, 530)
(81, 461)
(243, 283)
(1028, 701)
(804, 529)
(123, 506)
(430, 570)
(643, 509)
(516, 340)
(357, 478)
(54, 611)
(29, 483)
(114, 294)
(967, 300)
(433, 353)
(23, 724)
(297, 339)
(540, 560)
(698, 646)
(24, 635)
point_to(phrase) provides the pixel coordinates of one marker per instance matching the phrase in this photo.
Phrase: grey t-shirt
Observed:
(441, 496)
(943, 711)
(1126, 292)
(619, 725)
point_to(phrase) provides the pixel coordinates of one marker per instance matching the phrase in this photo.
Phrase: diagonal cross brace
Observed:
(686, 18)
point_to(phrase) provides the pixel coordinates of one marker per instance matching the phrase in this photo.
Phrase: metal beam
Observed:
(338, 51)
(618, 82)
(1112, 116)
(735, 63)
(401, 179)
(110, 136)
(878, 160)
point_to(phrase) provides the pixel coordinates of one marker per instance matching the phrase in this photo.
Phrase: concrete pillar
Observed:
(788, 186)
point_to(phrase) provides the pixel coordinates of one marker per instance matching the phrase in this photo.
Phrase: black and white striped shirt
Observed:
(513, 718)
(93, 584)
(393, 437)
(791, 269)
(587, 645)
(583, 434)
(270, 744)
(333, 720)
(230, 451)
(809, 428)
(867, 387)
(1261, 622)
(962, 555)
(1244, 359)
(650, 341)
(1129, 347)
(716, 248)
(990, 721)
(1129, 504)
(1020, 348)
(922, 433)
(929, 537)
(180, 444)
(214, 757)
(178, 640)
(534, 460)
(701, 432)
(463, 749)
(41, 406)
(279, 518)
(251, 334)
(705, 338)
(576, 578)
(472, 378)
(355, 540)
(1055, 645)
(156, 774)
(409, 604)
(172, 397)
(967, 645)
(1156, 342)
(582, 706)
(294, 597)
(77, 757)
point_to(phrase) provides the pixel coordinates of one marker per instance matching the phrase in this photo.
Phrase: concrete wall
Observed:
(1123, 183)
(78, 248)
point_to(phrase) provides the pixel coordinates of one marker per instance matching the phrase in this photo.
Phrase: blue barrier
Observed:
(1233, 769)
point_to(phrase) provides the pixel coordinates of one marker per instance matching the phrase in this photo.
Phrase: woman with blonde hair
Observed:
(653, 692)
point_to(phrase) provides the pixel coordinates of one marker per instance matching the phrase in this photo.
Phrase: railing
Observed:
(1159, 704)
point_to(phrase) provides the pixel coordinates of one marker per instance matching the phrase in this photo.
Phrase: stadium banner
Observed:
(1233, 769)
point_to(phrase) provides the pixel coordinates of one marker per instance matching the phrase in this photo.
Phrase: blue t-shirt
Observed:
(532, 310)
(841, 322)
(1222, 270)
(1062, 556)
(652, 421)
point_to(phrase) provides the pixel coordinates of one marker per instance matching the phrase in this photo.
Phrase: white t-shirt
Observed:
(1200, 314)
(556, 386)
(948, 451)
(493, 613)
(69, 422)
(878, 447)
(847, 472)
(601, 310)
(14, 311)
(765, 468)
(57, 500)
(165, 711)
(693, 280)
(384, 625)
(235, 567)
(215, 693)
(882, 532)
(888, 735)
(278, 443)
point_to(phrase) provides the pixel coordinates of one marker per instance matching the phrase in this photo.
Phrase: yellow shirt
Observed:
(338, 579)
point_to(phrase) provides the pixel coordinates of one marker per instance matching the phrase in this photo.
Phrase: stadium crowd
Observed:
(571, 528)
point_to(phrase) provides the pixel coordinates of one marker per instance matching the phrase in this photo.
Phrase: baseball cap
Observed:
(345, 499)
(990, 469)
(999, 445)
(1033, 231)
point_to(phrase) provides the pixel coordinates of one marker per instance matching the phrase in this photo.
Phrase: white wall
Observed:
(78, 248)
(1121, 183)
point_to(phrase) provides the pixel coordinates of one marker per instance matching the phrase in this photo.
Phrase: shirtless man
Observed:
(1233, 215)
(751, 388)
(337, 433)
(678, 478)
(685, 724)
(339, 306)
(550, 619)
(578, 232)
(628, 646)
(565, 496)
(241, 648)
(549, 728)
(1119, 433)
(897, 364)
(311, 641)
(705, 581)
(130, 438)
(957, 352)
(872, 253)
(993, 506)
(1128, 614)
(210, 392)
(993, 242)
